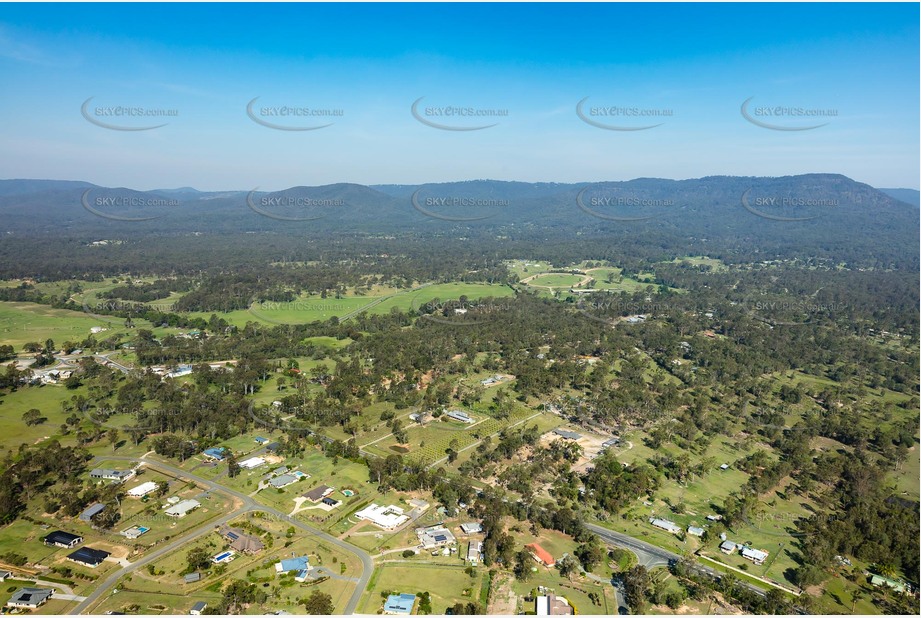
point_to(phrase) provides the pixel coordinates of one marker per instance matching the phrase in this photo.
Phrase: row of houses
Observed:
(87, 556)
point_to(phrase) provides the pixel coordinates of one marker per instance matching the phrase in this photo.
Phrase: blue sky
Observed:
(858, 62)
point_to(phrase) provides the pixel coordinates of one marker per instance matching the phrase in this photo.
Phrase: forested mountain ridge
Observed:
(740, 219)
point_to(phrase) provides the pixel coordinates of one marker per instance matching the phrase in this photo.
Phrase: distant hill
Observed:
(909, 196)
(811, 215)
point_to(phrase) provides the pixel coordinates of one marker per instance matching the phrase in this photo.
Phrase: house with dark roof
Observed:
(87, 556)
(566, 434)
(30, 598)
(59, 538)
(318, 493)
(329, 501)
(95, 509)
(241, 541)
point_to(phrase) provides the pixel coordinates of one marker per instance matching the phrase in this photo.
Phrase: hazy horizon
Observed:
(576, 93)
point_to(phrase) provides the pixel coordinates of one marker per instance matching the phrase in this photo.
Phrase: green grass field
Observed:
(308, 309)
(555, 280)
(447, 584)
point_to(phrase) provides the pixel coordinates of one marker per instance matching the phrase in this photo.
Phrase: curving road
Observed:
(651, 556)
(248, 504)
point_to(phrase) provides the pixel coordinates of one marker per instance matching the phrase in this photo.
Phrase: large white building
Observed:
(181, 509)
(387, 517)
(252, 462)
(142, 490)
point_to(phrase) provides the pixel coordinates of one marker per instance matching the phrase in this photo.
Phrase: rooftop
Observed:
(94, 509)
(89, 556)
(318, 493)
(383, 516)
(300, 563)
(541, 554)
(565, 433)
(282, 480)
(399, 603)
(32, 597)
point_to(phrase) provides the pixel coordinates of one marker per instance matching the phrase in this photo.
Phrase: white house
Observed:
(755, 555)
(181, 509)
(664, 524)
(252, 462)
(386, 517)
(142, 490)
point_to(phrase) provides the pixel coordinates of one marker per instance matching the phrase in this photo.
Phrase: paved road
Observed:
(648, 555)
(651, 556)
(105, 359)
(248, 505)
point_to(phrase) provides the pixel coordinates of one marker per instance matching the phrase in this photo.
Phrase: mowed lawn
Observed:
(446, 584)
(308, 309)
(46, 399)
(555, 280)
(21, 323)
